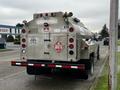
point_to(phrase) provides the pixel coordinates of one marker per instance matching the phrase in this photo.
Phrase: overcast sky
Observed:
(93, 13)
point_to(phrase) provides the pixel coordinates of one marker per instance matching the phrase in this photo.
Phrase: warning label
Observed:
(58, 47)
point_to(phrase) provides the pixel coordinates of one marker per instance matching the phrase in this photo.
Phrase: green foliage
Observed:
(118, 42)
(103, 80)
(104, 32)
(10, 38)
(19, 25)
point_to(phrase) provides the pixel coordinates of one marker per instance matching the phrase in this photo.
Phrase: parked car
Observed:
(106, 41)
(2, 43)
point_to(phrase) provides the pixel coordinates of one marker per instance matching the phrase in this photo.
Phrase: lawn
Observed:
(102, 84)
(118, 42)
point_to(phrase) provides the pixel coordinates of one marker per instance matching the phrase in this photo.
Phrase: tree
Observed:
(19, 25)
(104, 32)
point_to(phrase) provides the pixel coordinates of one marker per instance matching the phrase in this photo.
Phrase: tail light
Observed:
(23, 45)
(71, 29)
(23, 40)
(23, 31)
(71, 40)
(71, 52)
(71, 46)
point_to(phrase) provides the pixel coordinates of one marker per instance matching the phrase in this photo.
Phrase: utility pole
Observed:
(112, 85)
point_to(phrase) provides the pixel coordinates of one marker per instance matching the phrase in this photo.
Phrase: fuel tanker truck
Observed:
(57, 42)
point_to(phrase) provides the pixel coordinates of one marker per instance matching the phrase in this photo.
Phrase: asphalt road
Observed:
(15, 78)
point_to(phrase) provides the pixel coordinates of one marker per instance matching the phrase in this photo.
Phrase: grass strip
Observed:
(103, 79)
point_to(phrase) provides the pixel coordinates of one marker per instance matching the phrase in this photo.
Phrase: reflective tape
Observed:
(58, 66)
(18, 63)
(30, 64)
(74, 67)
(42, 65)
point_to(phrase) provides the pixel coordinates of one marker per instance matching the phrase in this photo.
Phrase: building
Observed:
(6, 30)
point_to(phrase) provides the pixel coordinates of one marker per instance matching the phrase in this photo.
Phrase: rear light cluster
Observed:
(71, 29)
(23, 44)
(46, 27)
(71, 41)
(71, 46)
(45, 14)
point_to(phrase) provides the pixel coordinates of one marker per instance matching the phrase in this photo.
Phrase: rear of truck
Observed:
(49, 43)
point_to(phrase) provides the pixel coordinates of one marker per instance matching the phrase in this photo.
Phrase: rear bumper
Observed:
(48, 64)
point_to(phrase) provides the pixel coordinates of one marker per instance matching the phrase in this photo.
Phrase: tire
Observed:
(91, 71)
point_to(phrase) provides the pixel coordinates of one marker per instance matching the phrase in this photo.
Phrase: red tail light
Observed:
(71, 29)
(23, 40)
(23, 45)
(71, 40)
(71, 46)
(23, 31)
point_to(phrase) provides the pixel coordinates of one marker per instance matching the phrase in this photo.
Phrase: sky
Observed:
(93, 13)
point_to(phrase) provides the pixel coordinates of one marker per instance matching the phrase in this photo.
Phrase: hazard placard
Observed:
(58, 47)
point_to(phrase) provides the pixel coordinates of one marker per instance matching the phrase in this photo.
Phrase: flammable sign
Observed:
(58, 47)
